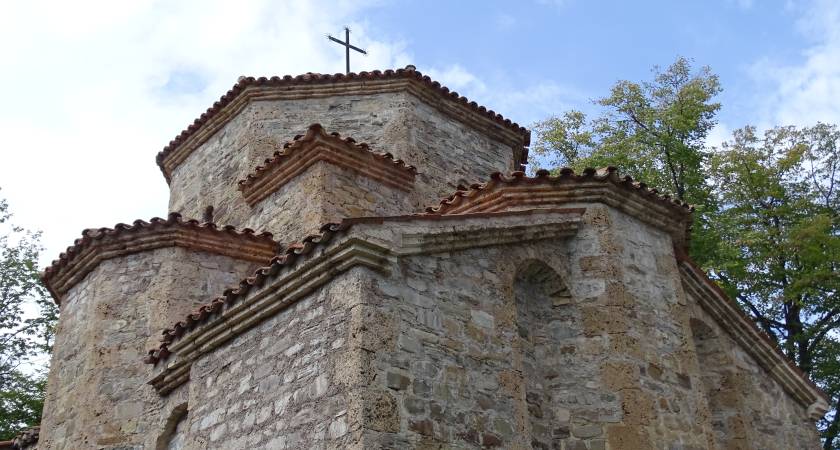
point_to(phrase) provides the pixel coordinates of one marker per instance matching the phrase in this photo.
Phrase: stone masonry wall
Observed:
(612, 366)
(325, 193)
(295, 210)
(444, 151)
(653, 372)
(458, 370)
(97, 395)
(749, 410)
(285, 383)
(578, 344)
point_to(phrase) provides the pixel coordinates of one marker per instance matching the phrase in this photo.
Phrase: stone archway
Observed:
(538, 290)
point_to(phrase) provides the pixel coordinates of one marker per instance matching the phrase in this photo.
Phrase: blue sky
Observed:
(93, 89)
(585, 46)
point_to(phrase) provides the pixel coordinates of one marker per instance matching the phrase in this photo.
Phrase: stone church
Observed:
(308, 290)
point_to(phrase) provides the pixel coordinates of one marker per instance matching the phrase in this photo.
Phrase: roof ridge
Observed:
(315, 78)
(566, 174)
(313, 132)
(229, 296)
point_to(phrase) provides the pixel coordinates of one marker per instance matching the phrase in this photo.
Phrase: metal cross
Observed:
(347, 46)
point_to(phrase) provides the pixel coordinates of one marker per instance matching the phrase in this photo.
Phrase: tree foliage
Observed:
(767, 220)
(654, 131)
(27, 319)
(21, 403)
(779, 248)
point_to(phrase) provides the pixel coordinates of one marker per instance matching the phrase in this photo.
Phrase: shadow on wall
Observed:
(174, 432)
(541, 329)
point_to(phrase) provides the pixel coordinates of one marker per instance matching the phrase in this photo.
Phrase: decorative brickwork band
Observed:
(97, 245)
(316, 145)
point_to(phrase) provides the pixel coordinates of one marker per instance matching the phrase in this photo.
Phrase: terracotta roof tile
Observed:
(53, 276)
(314, 78)
(311, 147)
(464, 197)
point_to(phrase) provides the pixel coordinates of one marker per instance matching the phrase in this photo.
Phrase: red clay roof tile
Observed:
(462, 198)
(230, 296)
(316, 143)
(53, 276)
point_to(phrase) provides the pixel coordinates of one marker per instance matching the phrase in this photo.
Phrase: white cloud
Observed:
(93, 89)
(458, 79)
(807, 92)
(524, 104)
(743, 4)
(505, 22)
(719, 134)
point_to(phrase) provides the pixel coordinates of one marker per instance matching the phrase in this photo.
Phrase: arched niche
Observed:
(721, 383)
(540, 295)
(174, 435)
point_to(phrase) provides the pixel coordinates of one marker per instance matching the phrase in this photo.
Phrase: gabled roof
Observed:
(316, 145)
(97, 245)
(313, 85)
(603, 185)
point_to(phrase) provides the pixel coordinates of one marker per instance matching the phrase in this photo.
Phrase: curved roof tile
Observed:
(271, 174)
(93, 236)
(230, 296)
(566, 175)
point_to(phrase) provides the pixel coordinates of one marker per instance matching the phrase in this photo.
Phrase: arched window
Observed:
(174, 432)
(539, 291)
(720, 381)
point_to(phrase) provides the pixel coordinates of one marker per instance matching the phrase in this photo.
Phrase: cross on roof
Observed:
(347, 46)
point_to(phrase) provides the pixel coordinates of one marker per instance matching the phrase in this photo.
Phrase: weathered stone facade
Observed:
(545, 312)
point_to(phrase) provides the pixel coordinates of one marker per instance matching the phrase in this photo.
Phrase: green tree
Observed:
(21, 337)
(766, 223)
(21, 402)
(779, 248)
(654, 131)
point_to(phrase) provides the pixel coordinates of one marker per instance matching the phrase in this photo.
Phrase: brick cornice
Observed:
(745, 332)
(518, 191)
(318, 146)
(310, 85)
(97, 245)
